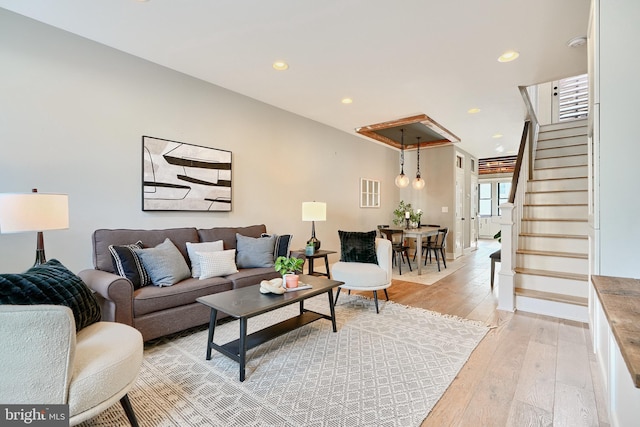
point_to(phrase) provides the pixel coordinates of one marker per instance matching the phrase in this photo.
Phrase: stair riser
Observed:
(558, 185)
(572, 172)
(555, 227)
(557, 198)
(562, 142)
(559, 162)
(550, 212)
(552, 263)
(545, 134)
(562, 151)
(551, 308)
(555, 244)
(555, 285)
(582, 123)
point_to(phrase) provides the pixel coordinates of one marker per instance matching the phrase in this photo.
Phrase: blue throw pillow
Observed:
(356, 246)
(51, 283)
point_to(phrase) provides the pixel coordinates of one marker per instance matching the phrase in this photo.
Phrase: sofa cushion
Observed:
(164, 263)
(252, 276)
(359, 275)
(104, 237)
(151, 299)
(254, 252)
(228, 234)
(282, 245)
(51, 283)
(358, 246)
(127, 264)
(192, 248)
(216, 264)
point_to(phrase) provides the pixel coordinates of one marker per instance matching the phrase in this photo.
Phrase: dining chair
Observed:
(398, 245)
(425, 244)
(438, 246)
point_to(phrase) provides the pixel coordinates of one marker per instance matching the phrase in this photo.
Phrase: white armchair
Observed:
(366, 276)
(44, 361)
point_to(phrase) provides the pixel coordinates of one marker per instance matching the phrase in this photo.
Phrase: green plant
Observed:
(399, 213)
(285, 265)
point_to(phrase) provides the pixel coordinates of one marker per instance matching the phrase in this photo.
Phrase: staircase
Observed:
(552, 255)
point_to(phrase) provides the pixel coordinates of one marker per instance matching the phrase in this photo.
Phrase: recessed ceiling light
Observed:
(280, 65)
(508, 56)
(577, 41)
(347, 101)
(497, 135)
(473, 110)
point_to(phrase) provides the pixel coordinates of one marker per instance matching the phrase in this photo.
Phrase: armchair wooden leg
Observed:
(335, 301)
(128, 409)
(375, 299)
(386, 294)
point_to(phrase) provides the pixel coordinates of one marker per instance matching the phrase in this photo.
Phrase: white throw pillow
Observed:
(192, 248)
(216, 264)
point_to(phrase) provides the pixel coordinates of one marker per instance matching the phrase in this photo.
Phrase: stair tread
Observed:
(555, 204)
(549, 273)
(560, 167)
(557, 179)
(553, 253)
(561, 236)
(555, 147)
(551, 296)
(553, 191)
(556, 219)
(560, 157)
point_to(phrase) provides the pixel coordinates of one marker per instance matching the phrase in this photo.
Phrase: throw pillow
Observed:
(358, 246)
(164, 263)
(216, 264)
(51, 283)
(282, 244)
(192, 248)
(127, 264)
(254, 252)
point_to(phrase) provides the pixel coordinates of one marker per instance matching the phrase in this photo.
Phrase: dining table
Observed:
(418, 233)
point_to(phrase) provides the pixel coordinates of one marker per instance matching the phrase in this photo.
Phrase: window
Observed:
(504, 188)
(484, 199)
(369, 193)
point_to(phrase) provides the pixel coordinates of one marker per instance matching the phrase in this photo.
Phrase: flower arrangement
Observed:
(405, 211)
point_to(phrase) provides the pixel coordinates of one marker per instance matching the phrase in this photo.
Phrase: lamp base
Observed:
(315, 242)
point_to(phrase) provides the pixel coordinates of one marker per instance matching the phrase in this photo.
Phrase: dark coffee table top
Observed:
(249, 302)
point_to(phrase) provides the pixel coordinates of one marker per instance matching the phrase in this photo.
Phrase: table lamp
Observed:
(34, 212)
(314, 211)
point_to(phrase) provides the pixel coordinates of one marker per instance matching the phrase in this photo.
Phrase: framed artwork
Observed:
(369, 193)
(183, 177)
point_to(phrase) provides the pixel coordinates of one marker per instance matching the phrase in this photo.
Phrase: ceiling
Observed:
(395, 59)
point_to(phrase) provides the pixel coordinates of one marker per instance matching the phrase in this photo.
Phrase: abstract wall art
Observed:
(183, 177)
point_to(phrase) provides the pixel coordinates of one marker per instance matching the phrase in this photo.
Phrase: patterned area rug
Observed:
(430, 273)
(386, 369)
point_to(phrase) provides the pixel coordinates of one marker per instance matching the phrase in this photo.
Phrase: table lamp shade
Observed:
(314, 211)
(33, 212)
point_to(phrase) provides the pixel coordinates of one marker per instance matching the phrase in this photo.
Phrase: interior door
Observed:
(474, 212)
(459, 231)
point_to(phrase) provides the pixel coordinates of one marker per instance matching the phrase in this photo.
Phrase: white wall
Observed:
(71, 120)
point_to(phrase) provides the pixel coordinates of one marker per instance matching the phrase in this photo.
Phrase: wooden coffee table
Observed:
(248, 302)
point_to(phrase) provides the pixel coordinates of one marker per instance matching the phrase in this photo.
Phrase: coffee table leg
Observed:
(333, 310)
(212, 328)
(243, 346)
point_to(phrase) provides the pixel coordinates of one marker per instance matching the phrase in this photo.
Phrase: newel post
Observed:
(506, 284)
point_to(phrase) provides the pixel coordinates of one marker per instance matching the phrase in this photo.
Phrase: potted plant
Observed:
(399, 215)
(288, 266)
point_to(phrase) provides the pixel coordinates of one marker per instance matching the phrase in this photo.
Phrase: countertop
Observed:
(620, 300)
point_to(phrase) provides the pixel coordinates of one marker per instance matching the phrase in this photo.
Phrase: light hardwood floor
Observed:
(530, 370)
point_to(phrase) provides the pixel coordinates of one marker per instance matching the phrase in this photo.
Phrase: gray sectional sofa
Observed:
(156, 311)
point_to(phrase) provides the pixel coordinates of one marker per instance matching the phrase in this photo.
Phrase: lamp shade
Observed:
(33, 212)
(314, 211)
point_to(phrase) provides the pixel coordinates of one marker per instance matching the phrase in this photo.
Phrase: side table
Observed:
(318, 254)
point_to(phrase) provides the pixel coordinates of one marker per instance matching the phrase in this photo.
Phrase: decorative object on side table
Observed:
(34, 212)
(314, 211)
(288, 266)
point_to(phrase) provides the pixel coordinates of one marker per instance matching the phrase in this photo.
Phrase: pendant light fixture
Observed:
(418, 182)
(402, 180)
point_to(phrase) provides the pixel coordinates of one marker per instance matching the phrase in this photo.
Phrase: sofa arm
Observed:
(116, 294)
(38, 349)
(384, 252)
